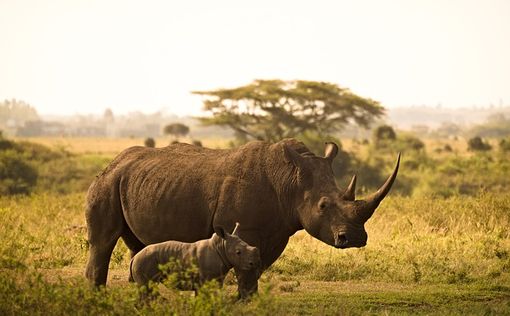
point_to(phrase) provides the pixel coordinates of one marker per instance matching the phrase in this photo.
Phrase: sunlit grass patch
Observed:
(424, 256)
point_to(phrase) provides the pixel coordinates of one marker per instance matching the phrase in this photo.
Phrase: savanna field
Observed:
(438, 244)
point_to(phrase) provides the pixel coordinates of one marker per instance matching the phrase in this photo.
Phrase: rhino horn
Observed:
(373, 200)
(235, 229)
(331, 151)
(350, 193)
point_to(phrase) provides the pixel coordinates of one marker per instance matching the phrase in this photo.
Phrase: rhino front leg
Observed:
(247, 283)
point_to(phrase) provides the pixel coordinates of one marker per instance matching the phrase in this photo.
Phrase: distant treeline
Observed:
(18, 118)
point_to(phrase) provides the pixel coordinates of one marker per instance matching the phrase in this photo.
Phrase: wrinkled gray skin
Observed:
(180, 192)
(213, 257)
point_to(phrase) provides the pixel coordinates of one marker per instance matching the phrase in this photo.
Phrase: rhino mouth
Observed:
(351, 245)
(342, 242)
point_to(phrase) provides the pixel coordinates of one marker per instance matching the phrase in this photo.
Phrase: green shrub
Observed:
(17, 175)
(504, 144)
(26, 166)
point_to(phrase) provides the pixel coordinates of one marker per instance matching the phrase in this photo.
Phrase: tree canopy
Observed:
(275, 109)
(17, 110)
(176, 129)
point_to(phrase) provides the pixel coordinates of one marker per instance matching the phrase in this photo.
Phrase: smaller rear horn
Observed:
(350, 192)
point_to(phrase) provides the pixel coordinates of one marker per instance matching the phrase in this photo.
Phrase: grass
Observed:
(448, 255)
(424, 256)
(111, 146)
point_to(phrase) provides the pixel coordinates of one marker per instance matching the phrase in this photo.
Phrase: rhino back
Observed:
(176, 192)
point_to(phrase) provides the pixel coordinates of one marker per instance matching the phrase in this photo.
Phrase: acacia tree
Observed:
(275, 109)
(176, 130)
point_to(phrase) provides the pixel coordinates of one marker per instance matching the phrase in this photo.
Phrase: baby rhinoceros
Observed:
(213, 257)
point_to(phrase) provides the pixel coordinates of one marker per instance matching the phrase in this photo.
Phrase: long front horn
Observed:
(350, 193)
(373, 200)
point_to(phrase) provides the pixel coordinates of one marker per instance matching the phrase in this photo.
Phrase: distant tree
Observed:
(383, 133)
(176, 130)
(496, 125)
(477, 144)
(197, 143)
(275, 109)
(149, 142)
(17, 110)
(108, 115)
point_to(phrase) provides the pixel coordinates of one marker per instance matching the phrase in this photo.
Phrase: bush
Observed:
(197, 143)
(25, 167)
(17, 176)
(504, 145)
(477, 144)
(149, 142)
(384, 137)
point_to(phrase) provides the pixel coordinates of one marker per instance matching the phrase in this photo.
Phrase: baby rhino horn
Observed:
(234, 232)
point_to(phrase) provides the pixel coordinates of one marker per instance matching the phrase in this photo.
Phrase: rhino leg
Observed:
(133, 243)
(105, 227)
(247, 283)
(99, 259)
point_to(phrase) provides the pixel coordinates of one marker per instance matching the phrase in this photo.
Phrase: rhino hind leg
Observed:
(99, 259)
(133, 243)
(104, 230)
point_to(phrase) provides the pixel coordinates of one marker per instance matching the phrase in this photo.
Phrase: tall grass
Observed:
(421, 242)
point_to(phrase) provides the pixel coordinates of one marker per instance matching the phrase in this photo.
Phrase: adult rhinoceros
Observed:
(181, 192)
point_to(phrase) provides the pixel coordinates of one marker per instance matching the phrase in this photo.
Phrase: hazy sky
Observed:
(73, 56)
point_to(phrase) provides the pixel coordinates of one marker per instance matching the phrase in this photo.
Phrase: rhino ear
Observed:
(304, 175)
(220, 231)
(292, 156)
(331, 151)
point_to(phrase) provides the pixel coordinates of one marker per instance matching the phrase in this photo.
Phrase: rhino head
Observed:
(240, 255)
(331, 215)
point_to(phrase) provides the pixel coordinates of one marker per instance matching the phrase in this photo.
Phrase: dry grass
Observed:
(111, 146)
(423, 256)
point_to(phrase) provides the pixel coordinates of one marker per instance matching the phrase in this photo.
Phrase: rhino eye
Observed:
(323, 203)
(238, 252)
